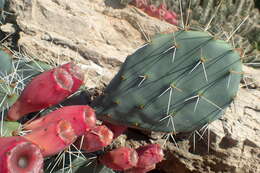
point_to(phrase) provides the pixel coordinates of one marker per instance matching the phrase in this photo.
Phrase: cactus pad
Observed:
(176, 83)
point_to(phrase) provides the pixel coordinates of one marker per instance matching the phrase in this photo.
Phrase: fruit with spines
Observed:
(96, 139)
(178, 82)
(55, 85)
(120, 159)
(149, 155)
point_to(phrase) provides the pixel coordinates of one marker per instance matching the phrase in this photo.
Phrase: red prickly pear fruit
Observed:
(47, 89)
(53, 138)
(141, 170)
(163, 7)
(152, 10)
(172, 21)
(120, 159)
(149, 155)
(17, 155)
(141, 4)
(96, 139)
(116, 129)
(162, 13)
(174, 14)
(81, 117)
(170, 18)
(76, 73)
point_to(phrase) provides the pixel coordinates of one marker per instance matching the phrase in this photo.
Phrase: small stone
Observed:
(8, 28)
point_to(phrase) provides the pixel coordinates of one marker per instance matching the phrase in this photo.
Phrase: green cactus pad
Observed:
(7, 95)
(176, 83)
(7, 128)
(5, 63)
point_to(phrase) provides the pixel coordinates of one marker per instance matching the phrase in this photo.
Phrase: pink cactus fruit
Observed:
(53, 138)
(120, 159)
(116, 129)
(141, 4)
(47, 89)
(77, 75)
(96, 139)
(169, 16)
(152, 10)
(162, 6)
(149, 155)
(170, 19)
(17, 155)
(81, 117)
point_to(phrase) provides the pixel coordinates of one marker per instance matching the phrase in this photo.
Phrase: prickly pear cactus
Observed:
(178, 82)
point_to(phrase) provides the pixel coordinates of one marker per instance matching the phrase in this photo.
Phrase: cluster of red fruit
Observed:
(54, 132)
(160, 12)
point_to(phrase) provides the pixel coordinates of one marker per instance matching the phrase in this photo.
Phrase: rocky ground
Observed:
(99, 35)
